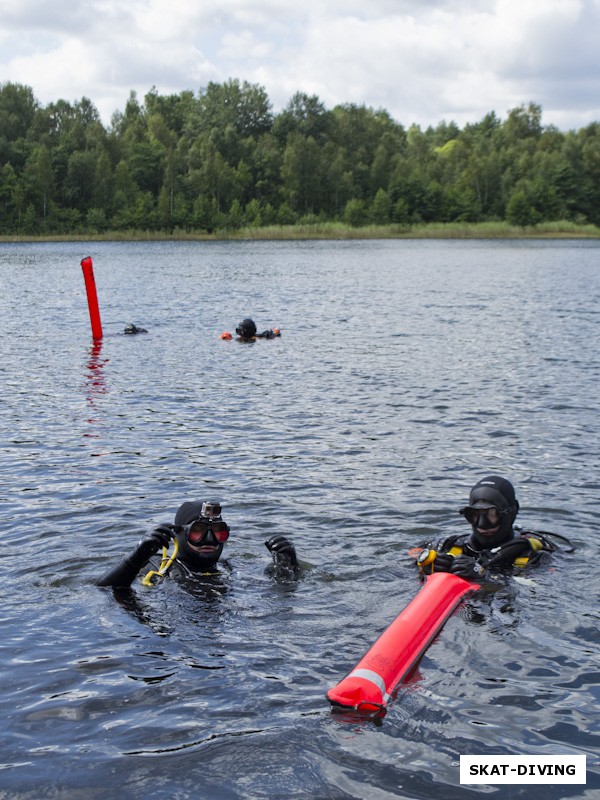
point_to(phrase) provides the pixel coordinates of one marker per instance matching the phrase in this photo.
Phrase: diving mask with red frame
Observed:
(209, 520)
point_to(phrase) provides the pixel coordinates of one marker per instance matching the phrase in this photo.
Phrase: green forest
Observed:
(221, 160)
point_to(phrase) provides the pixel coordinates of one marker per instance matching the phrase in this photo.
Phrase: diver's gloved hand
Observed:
(467, 568)
(160, 537)
(441, 562)
(282, 550)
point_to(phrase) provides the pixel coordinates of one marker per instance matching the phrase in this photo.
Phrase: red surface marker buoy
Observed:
(92, 297)
(397, 651)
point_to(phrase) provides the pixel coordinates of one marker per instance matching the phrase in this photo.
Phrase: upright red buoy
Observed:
(92, 297)
(397, 651)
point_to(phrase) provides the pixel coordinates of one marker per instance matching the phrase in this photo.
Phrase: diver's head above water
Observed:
(201, 534)
(491, 512)
(246, 329)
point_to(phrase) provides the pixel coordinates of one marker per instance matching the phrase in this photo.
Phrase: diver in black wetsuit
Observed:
(494, 542)
(199, 534)
(132, 329)
(246, 331)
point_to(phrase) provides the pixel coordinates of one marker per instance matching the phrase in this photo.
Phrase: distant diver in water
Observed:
(246, 332)
(198, 534)
(494, 543)
(131, 329)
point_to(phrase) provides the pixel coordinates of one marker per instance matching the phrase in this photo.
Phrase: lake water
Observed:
(406, 371)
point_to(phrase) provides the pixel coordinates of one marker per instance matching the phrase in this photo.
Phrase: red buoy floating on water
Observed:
(92, 297)
(397, 651)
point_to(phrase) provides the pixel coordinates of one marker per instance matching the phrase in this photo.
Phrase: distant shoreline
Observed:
(333, 230)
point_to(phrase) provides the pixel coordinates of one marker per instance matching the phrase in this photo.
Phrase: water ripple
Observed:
(402, 375)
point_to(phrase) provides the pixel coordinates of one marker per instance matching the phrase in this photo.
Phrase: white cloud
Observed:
(423, 60)
(244, 46)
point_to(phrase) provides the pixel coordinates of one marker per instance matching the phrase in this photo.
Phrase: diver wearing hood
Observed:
(132, 329)
(199, 534)
(492, 510)
(247, 332)
(493, 541)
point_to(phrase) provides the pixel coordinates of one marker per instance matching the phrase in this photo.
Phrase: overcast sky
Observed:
(424, 61)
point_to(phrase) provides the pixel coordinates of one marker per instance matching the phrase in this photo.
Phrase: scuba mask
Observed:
(488, 517)
(199, 529)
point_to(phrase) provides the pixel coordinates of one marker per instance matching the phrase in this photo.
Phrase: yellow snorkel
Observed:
(167, 560)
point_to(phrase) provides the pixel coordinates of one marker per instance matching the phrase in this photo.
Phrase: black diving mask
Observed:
(491, 514)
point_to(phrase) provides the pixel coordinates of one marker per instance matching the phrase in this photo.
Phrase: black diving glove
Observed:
(160, 537)
(467, 568)
(283, 551)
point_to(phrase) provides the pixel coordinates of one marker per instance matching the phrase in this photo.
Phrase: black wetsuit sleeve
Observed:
(123, 574)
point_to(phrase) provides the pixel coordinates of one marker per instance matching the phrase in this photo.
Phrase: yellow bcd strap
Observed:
(536, 545)
(165, 564)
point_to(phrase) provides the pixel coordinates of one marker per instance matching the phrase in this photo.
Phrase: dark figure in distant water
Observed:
(131, 328)
(246, 332)
(199, 535)
(493, 541)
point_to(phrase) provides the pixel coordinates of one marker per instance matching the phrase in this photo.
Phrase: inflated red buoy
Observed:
(225, 335)
(397, 651)
(92, 297)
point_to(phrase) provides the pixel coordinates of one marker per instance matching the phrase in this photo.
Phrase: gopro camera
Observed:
(211, 510)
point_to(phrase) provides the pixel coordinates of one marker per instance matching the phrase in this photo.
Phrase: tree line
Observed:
(221, 160)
